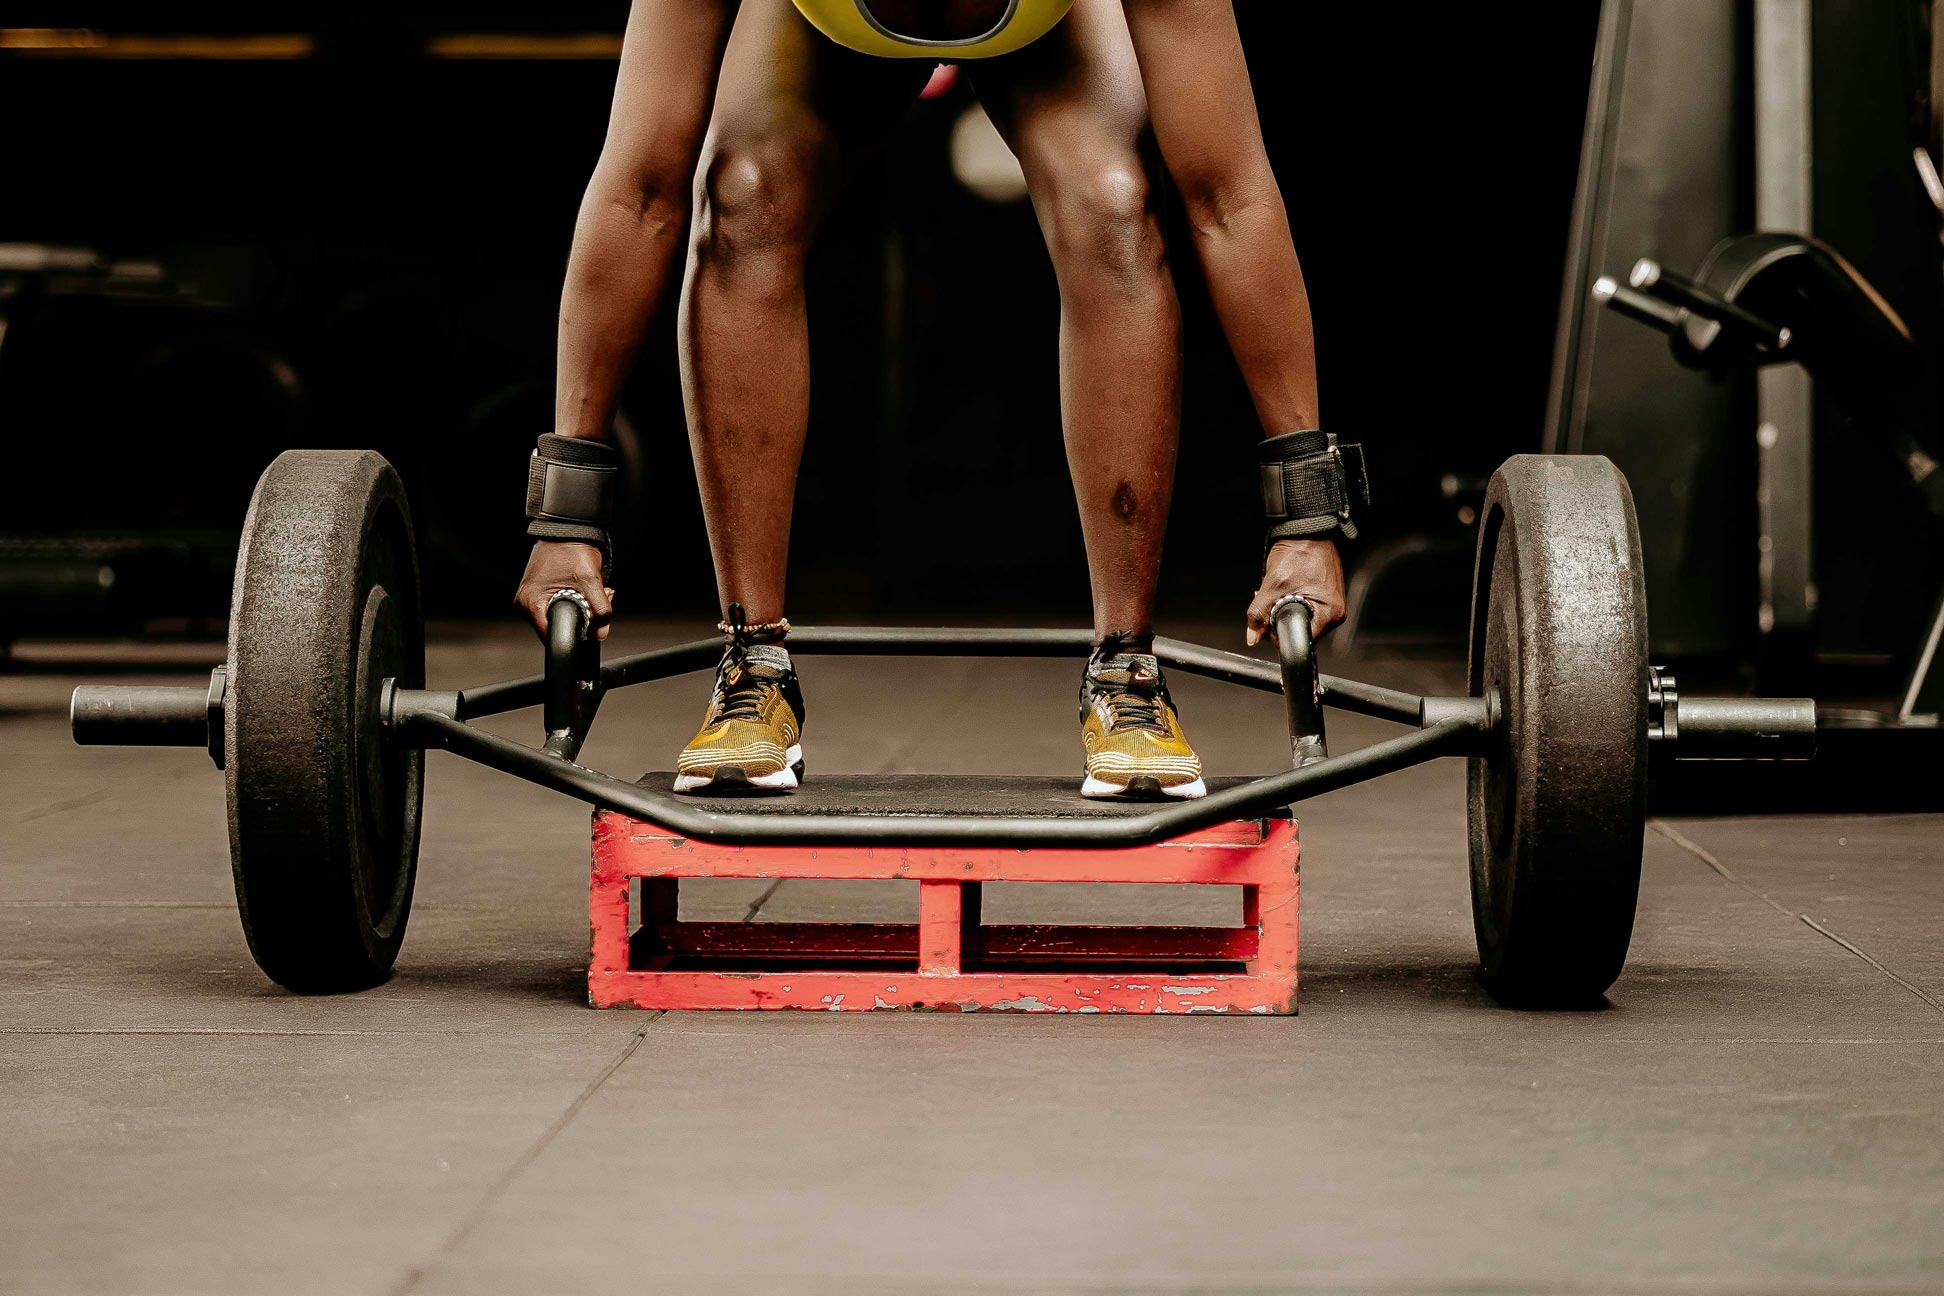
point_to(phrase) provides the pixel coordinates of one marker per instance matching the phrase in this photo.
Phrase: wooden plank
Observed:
(607, 911)
(1194, 859)
(971, 992)
(1276, 920)
(941, 930)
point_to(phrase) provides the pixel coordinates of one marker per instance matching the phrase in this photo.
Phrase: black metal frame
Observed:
(575, 681)
(571, 690)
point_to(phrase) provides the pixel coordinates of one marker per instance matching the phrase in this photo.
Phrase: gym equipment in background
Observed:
(1781, 546)
(1770, 299)
(116, 360)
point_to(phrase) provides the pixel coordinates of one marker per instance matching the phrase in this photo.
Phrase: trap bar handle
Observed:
(1302, 687)
(573, 688)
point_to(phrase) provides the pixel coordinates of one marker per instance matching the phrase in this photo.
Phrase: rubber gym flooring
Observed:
(1759, 1109)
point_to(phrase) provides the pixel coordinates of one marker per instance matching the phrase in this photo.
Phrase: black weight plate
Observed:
(1558, 805)
(324, 815)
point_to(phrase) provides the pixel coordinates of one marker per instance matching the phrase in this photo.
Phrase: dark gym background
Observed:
(363, 246)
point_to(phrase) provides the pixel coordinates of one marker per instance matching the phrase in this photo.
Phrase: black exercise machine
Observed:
(1771, 299)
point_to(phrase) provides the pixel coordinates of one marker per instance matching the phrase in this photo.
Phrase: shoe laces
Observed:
(739, 691)
(1131, 686)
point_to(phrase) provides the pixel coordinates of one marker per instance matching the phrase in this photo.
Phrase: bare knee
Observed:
(1101, 226)
(754, 208)
(651, 200)
(1214, 198)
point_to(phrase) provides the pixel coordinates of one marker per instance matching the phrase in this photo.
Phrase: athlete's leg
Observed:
(793, 113)
(1205, 122)
(634, 217)
(632, 221)
(1072, 108)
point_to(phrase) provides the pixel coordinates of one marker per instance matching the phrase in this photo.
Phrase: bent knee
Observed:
(648, 192)
(754, 201)
(1213, 197)
(1102, 223)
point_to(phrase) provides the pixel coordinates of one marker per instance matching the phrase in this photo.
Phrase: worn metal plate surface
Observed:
(324, 815)
(1558, 803)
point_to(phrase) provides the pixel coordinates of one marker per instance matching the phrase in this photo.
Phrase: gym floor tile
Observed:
(1023, 1155)
(284, 1161)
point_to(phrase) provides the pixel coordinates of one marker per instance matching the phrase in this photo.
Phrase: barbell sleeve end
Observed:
(1729, 728)
(121, 715)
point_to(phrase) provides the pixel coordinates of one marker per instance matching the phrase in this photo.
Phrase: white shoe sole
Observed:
(1101, 790)
(784, 780)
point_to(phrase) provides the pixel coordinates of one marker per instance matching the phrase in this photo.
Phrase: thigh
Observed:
(665, 84)
(1072, 99)
(793, 99)
(1197, 80)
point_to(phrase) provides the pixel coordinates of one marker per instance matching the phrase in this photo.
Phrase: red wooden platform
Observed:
(645, 957)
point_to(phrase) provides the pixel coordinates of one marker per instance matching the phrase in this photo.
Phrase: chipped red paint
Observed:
(947, 961)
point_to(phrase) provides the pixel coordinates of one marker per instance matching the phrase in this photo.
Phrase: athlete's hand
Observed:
(564, 564)
(1312, 569)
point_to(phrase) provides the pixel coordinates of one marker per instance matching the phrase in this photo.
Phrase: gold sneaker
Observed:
(1135, 747)
(751, 739)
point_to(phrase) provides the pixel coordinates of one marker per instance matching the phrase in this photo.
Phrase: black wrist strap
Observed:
(571, 485)
(1311, 485)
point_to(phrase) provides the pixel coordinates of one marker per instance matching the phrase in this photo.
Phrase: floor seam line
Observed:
(1818, 927)
(1695, 849)
(1707, 857)
(499, 1186)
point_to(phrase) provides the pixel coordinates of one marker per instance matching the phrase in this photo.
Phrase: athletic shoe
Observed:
(751, 738)
(1135, 747)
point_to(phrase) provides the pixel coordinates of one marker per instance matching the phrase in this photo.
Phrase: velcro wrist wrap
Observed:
(1310, 485)
(571, 486)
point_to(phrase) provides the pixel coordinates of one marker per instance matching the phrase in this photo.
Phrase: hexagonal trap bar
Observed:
(644, 956)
